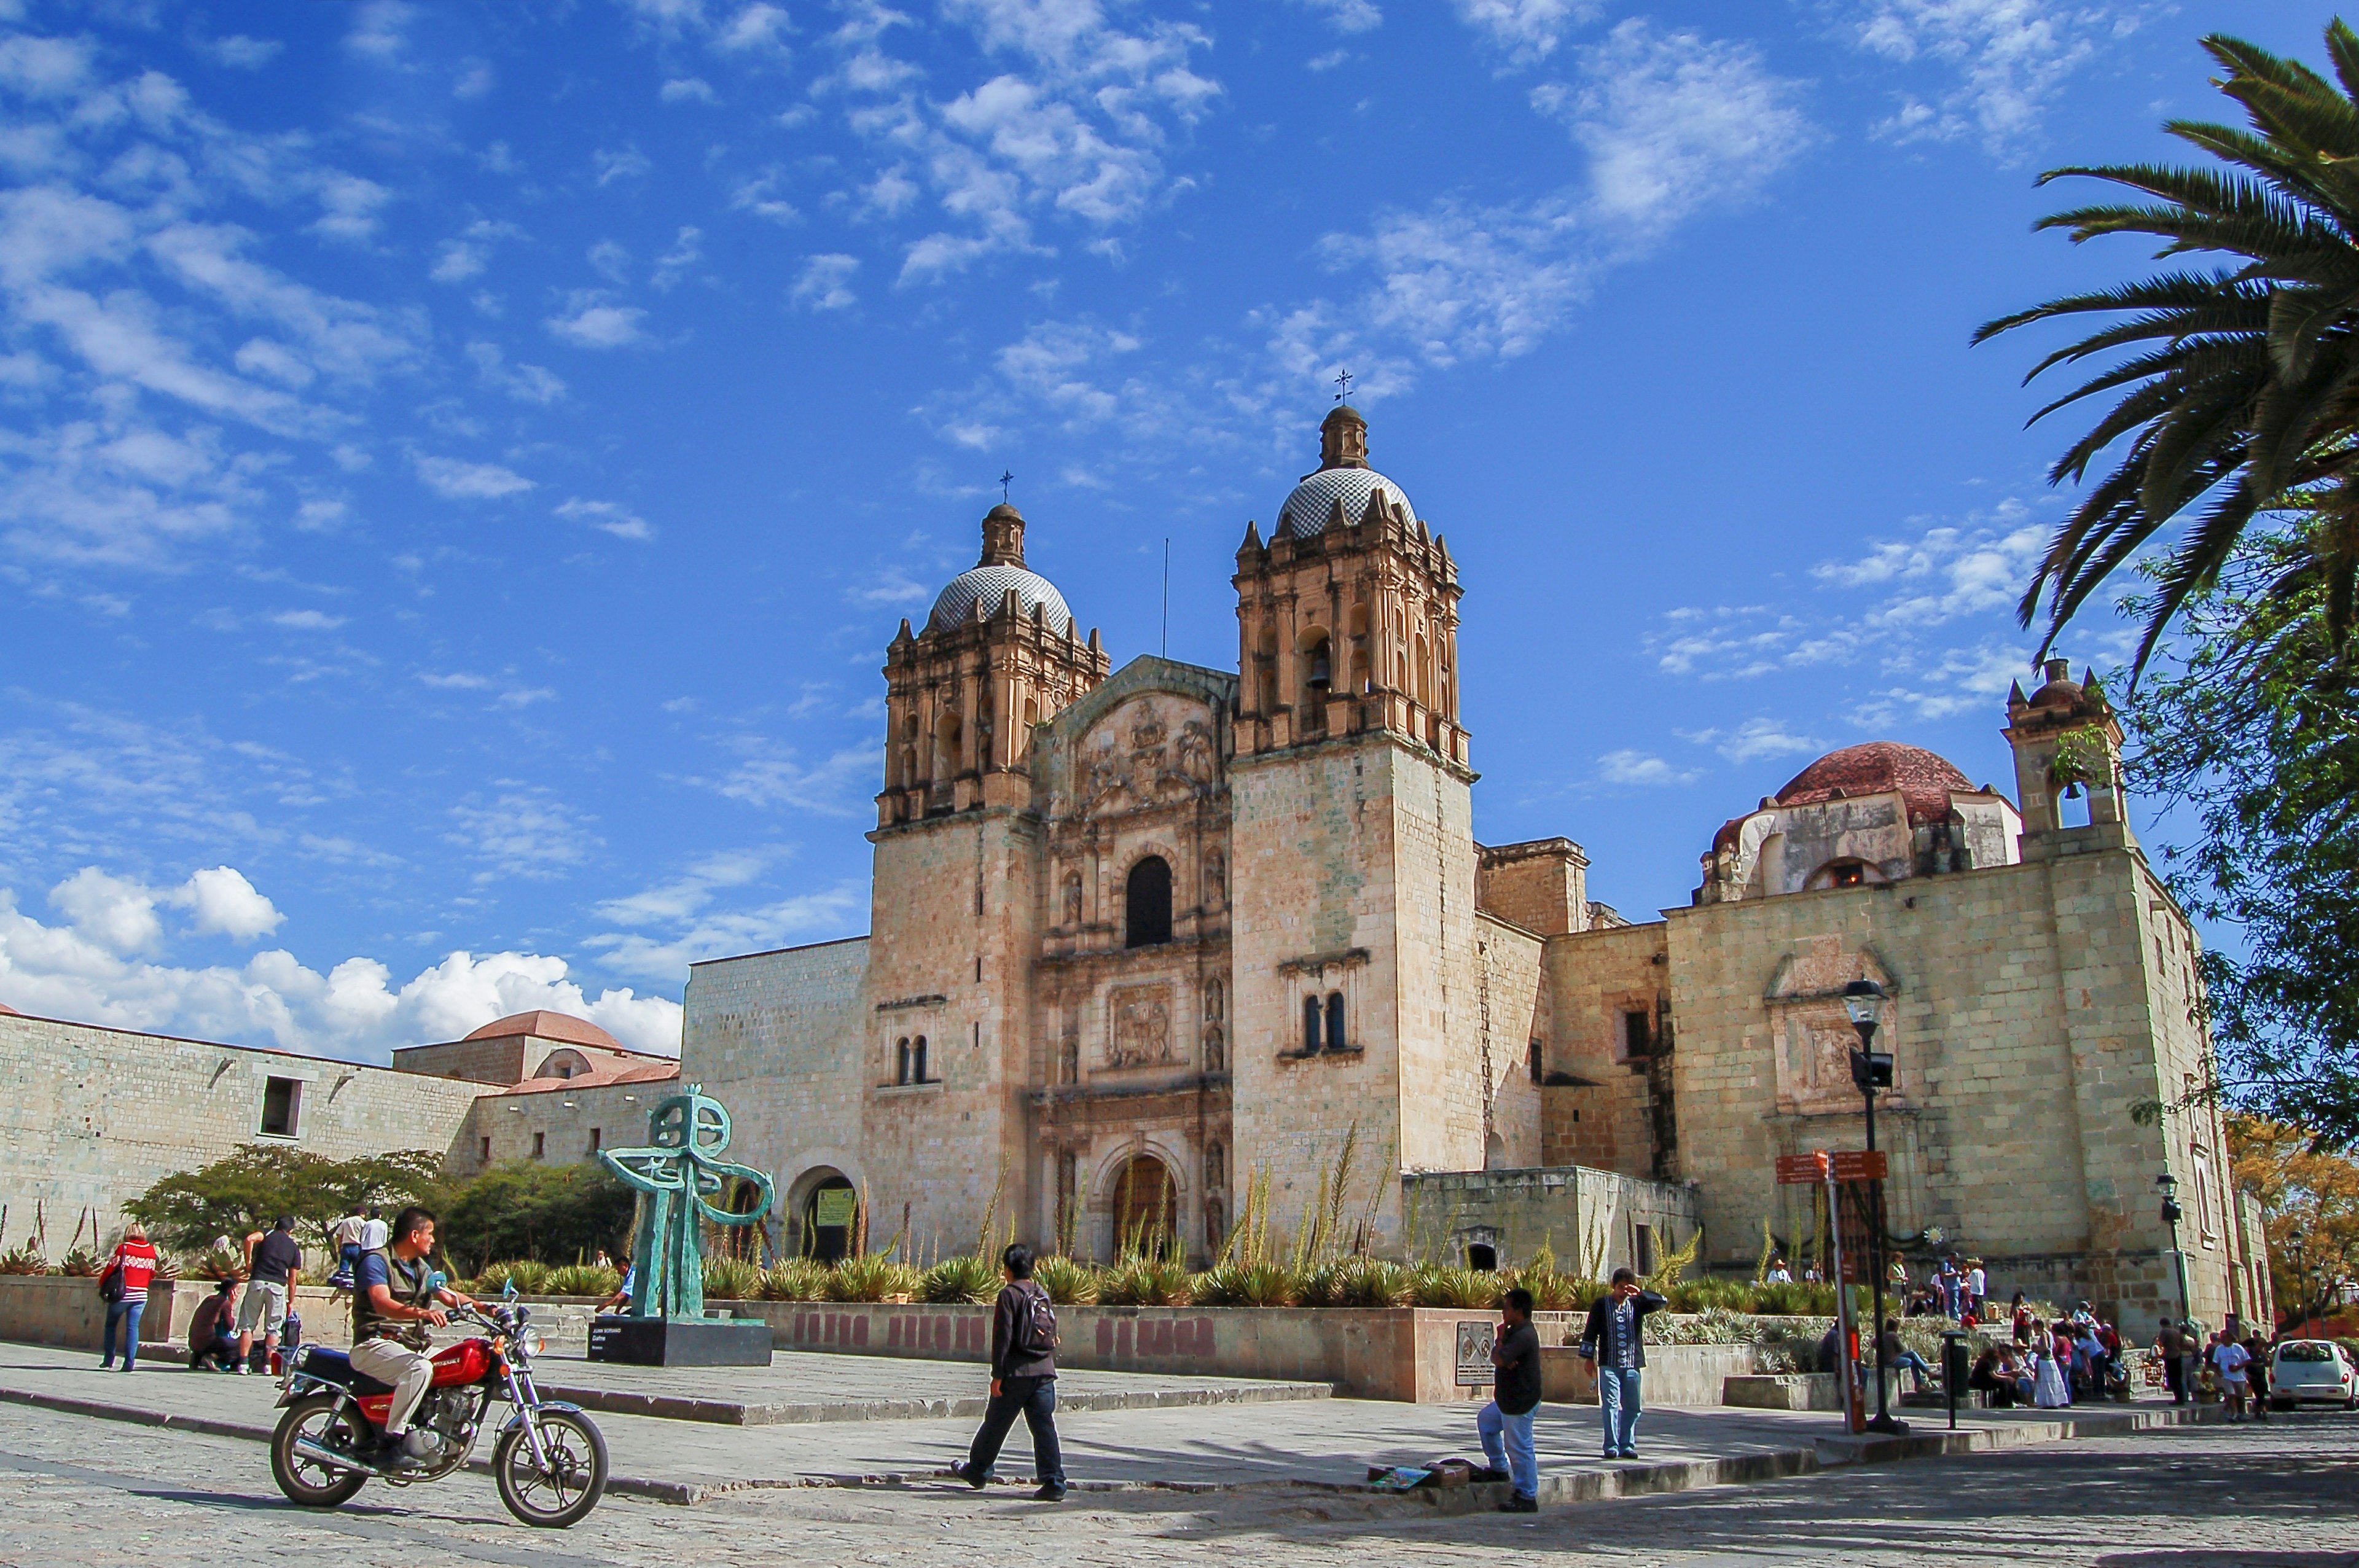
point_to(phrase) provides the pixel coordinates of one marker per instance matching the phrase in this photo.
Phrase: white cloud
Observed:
(767, 774)
(589, 322)
(476, 81)
(86, 970)
(378, 30)
(825, 283)
(1524, 31)
(687, 250)
(1755, 738)
(760, 196)
(523, 831)
(456, 480)
(887, 586)
(757, 27)
(240, 52)
(2003, 62)
(607, 517)
(686, 89)
(1632, 769)
(1947, 571)
(626, 164)
(1675, 125)
(1348, 15)
(226, 904)
(524, 382)
(307, 621)
(610, 261)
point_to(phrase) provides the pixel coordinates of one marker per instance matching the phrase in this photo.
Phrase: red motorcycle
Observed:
(549, 1461)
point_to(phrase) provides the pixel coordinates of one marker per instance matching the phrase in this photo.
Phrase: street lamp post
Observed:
(2168, 1184)
(1871, 1069)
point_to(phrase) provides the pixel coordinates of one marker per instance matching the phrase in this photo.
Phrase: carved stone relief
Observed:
(1139, 1026)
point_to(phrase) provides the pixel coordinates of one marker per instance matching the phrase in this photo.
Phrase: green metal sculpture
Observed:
(679, 1169)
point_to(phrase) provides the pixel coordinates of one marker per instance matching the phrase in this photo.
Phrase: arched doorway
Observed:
(825, 1215)
(1147, 903)
(1147, 1208)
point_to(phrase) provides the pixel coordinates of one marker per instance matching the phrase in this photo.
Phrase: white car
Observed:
(2312, 1371)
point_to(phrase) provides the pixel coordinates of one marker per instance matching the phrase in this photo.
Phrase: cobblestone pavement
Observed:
(94, 1494)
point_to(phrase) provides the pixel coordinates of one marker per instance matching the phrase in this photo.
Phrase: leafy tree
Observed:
(2266, 756)
(248, 1188)
(2309, 1200)
(2239, 393)
(554, 1214)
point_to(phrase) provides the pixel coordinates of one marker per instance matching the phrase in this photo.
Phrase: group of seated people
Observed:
(2054, 1365)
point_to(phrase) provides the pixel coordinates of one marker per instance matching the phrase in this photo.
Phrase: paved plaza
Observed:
(2281, 1495)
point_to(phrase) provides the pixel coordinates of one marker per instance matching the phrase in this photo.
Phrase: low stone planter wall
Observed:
(54, 1309)
(1798, 1391)
(1676, 1374)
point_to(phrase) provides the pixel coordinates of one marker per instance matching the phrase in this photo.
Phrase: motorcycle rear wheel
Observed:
(562, 1495)
(307, 1481)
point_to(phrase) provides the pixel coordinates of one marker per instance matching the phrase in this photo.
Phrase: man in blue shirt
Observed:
(396, 1296)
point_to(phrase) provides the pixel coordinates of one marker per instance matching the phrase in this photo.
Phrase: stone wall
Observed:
(1590, 1220)
(1603, 1106)
(95, 1116)
(780, 1038)
(2022, 1028)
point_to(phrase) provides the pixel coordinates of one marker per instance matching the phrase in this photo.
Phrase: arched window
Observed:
(1335, 1035)
(1310, 1026)
(901, 1060)
(918, 1060)
(1147, 903)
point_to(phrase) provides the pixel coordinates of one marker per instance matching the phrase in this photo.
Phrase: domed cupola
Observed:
(988, 581)
(1343, 476)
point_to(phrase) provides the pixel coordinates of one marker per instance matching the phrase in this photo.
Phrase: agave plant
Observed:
(1068, 1282)
(1551, 1289)
(1145, 1281)
(216, 1263)
(81, 1263)
(730, 1279)
(23, 1260)
(1267, 1285)
(1454, 1285)
(584, 1280)
(796, 1279)
(1372, 1283)
(529, 1277)
(966, 1278)
(871, 1277)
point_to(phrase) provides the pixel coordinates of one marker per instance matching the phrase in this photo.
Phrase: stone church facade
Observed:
(1140, 936)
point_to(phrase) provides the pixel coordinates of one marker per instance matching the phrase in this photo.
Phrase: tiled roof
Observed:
(1924, 780)
(988, 586)
(544, 1025)
(1307, 510)
(600, 1078)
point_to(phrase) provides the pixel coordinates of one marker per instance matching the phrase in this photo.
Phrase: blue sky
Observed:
(463, 464)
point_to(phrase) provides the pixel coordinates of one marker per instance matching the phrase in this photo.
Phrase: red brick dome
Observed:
(1880, 767)
(544, 1025)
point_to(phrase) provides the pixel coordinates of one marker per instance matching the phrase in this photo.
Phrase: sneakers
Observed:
(1520, 1506)
(243, 1370)
(1049, 1495)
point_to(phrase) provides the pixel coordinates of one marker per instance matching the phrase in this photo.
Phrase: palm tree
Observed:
(2240, 392)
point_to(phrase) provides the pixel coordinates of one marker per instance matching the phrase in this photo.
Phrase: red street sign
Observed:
(1849, 1165)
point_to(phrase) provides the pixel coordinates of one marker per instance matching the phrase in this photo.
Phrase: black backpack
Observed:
(1036, 1325)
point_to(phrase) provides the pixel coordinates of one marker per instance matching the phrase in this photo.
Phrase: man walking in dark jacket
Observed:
(1023, 1378)
(1615, 1339)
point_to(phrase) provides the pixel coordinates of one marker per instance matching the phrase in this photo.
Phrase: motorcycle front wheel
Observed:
(315, 1419)
(561, 1493)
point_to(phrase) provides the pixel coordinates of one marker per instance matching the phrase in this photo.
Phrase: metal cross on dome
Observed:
(1343, 381)
(1005, 480)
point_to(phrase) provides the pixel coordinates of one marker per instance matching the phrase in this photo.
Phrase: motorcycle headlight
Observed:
(532, 1342)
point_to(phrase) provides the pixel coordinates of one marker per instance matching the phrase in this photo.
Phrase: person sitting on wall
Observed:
(1615, 1339)
(1998, 1391)
(211, 1344)
(621, 1300)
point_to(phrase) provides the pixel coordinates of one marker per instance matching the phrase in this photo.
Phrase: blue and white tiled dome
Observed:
(1307, 510)
(988, 586)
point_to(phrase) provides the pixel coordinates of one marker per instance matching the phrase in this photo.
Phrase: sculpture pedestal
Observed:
(679, 1341)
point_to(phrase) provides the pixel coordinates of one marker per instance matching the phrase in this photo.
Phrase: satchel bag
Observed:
(109, 1284)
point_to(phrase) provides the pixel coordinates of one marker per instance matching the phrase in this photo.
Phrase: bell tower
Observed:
(1357, 997)
(2067, 744)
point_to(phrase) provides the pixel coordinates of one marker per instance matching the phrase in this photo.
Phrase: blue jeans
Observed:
(1916, 1367)
(1035, 1398)
(1507, 1444)
(1617, 1401)
(123, 1313)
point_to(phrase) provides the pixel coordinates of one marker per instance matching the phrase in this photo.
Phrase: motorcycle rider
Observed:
(396, 1296)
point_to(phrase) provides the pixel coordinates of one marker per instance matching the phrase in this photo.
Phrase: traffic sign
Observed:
(1848, 1165)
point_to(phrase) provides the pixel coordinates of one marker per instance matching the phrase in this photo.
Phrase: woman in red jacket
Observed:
(131, 1269)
